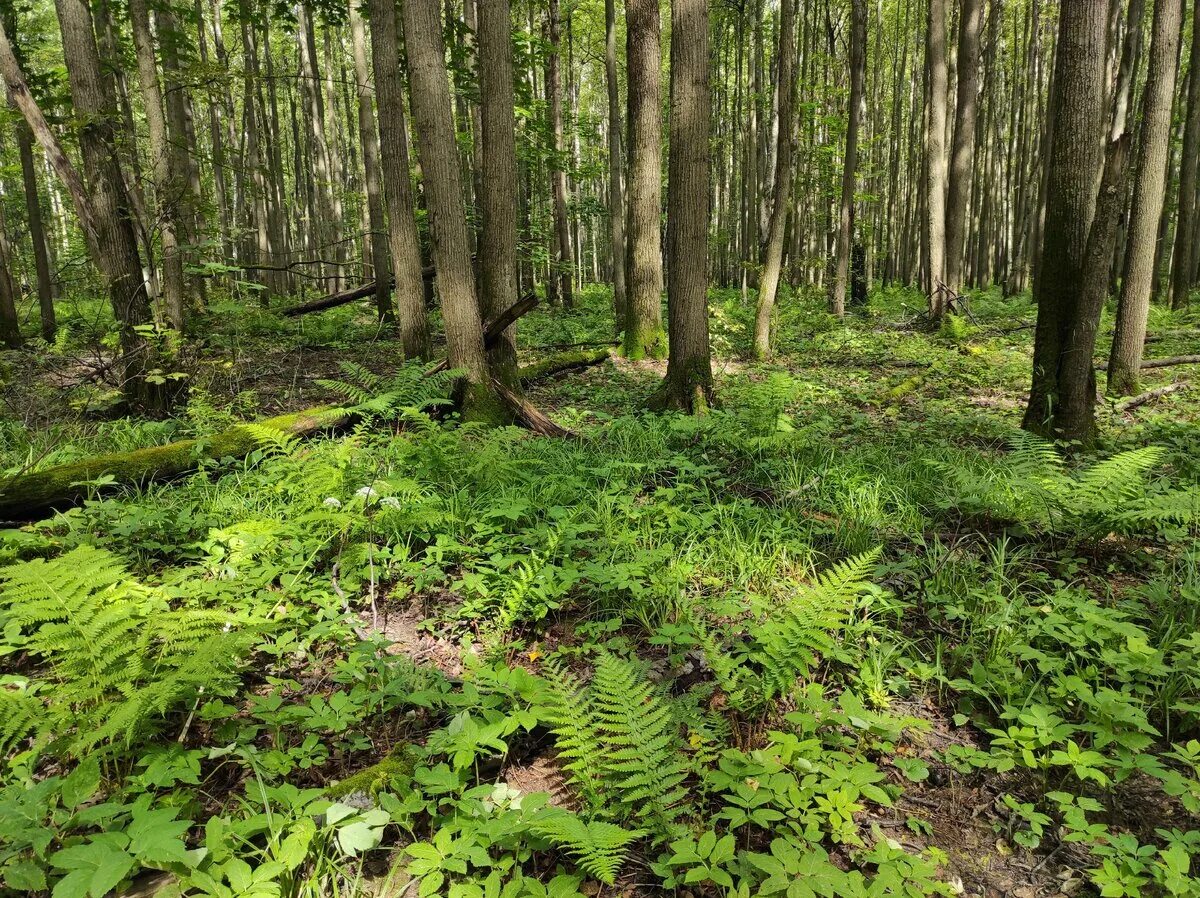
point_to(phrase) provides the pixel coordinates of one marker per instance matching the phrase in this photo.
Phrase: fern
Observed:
(388, 398)
(598, 847)
(568, 708)
(114, 656)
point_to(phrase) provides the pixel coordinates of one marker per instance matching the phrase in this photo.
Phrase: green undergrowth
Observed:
(756, 646)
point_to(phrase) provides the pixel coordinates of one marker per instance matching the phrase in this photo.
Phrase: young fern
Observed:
(568, 708)
(598, 847)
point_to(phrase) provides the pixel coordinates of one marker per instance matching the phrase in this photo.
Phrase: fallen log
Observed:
(1149, 396)
(563, 361)
(345, 297)
(22, 496)
(1160, 363)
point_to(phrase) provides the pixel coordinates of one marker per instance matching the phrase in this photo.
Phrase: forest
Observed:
(600, 448)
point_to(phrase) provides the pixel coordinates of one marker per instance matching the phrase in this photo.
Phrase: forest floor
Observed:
(848, 634)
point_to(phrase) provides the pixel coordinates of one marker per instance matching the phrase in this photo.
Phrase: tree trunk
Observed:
(1148, 192)
(962, 150)
(402, 227)
(498, 186)
(10, 324)
(1075, 156)
(616, 163)
(103, 208)
(1182, 270)
(688, 383)
(430, 88)
(935, 159)
(368, 137)
(858, 65)
(563, 256)
(644, 279)
(166, 185)
(768, 283)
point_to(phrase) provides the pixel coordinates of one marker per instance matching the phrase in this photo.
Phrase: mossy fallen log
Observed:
(563, 361)
(24, 496)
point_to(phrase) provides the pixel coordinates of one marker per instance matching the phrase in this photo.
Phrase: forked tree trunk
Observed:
(368, 137)
(393, 150)
(1148, 192)
(498, 187)
(1075, 157)
(858, 64)
(644, 278)
(688, 383)
(772, 262)
(436, 148)
(962, 148)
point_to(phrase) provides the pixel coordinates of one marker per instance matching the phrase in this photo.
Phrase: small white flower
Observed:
(332, 502)
(367, 493)
(390, 502)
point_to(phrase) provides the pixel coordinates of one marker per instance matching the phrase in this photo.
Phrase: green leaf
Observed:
(25, 876)
(82, 783)
(360, 836)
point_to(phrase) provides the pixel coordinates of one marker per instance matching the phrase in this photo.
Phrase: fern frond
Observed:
(598, 847)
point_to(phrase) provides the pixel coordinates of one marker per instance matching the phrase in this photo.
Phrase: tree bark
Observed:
(563, 256)
(436, 148)
(858, 65)
(772, 262)
(1148, 193)
(935, 159)
(962, 150)
(1182, 270)
(498, 187)
(1075, 158)
(688, 383)
(644, 279)
(616, 163)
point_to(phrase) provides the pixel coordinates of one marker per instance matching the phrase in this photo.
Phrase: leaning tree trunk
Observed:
(858, 64)
(393, 150)
(688, 383)
(1076, 112)
(616, 192)
(1186, 228)
(772, 265)
(166, 186)
(935, 159)
(438, 154)
(103, 207)
(498, 187)
(368, 137)
(962, 148)
(1148, 192)
(644, 280)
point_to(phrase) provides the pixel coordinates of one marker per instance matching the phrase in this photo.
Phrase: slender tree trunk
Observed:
(563, 256)
(1182, 270)
(935, 159)
(498, 186)
(858, 65)
(166, 187)
(688, 383)
(962, 149)
(1076, 112)
(368, 137)
(1148, 192)
(402, 227)
(10, 323)
(644, 279)
(433, 116)
(772, 264)
(616, 161)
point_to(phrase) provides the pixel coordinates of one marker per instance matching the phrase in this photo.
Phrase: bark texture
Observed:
(935, 159)
(962, 149)
(1186, 236)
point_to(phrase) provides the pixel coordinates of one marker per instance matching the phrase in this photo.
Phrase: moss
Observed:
(25, 494)
(563, 361)
(479, 403)
(650, 343)
(398, 764)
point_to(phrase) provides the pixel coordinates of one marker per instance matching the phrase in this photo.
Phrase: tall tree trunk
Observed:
(402, 227)
(1148, 192)
(10, 323)
(498, 186)
(563, 256)
(772, 263)
(433, 116)
(688, 383)
(858, 65)
(1075, 155)
(644, 279)
(368, 137)
(962, 149)
(935, 159)
(166, 185)
(103, 207)
(1186, 231)
(616, 164)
